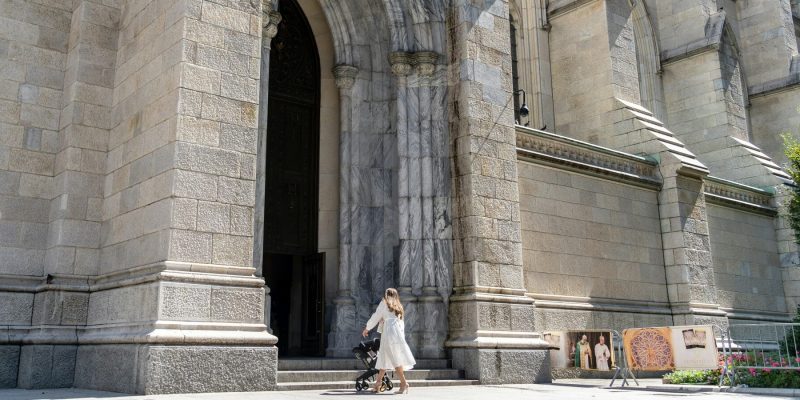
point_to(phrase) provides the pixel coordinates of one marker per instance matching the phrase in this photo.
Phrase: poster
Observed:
(586, 349)
(648, 349)
(694, 347)
(669, 348)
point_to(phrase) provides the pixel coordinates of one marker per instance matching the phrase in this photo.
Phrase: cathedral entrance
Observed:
(293, 267)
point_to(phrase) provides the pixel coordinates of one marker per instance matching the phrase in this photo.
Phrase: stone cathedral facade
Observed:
(192, 189)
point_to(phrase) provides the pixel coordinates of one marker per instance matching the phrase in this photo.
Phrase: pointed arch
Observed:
(648, 60)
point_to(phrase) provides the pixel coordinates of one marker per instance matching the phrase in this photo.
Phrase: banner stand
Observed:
(621, 369)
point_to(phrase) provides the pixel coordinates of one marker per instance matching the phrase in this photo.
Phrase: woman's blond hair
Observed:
(392, 300)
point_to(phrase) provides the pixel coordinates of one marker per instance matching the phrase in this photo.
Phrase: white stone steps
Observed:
(351, 384)
(338, 364)
(351, 375)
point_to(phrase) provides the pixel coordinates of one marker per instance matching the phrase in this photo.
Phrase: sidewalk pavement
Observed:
(582, 389)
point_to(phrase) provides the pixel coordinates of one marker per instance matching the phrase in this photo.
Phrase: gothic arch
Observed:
(648, 60)
(728, 41)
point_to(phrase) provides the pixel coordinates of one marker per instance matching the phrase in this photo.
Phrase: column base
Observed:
(46, 366)
(158, 369)
(9, 366)
(344, 331)
(433, 317)
(503, 366)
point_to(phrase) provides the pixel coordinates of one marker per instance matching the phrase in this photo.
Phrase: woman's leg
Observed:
(403, 384)
(379, 380)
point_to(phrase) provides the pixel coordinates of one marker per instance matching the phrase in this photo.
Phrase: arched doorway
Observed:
(293, 267)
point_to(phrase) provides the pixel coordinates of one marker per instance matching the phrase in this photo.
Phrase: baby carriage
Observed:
(367, 352)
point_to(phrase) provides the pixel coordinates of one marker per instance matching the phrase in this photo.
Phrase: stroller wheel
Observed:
(359, 386)
(387, 383)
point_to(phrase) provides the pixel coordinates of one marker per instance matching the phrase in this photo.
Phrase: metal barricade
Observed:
(621, 369)
(759, 347)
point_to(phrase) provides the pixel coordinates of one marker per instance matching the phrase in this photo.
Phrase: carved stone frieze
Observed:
(729, 193)
(538, 145)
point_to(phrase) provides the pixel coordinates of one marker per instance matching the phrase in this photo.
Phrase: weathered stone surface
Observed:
(15, 308)
(130, 145)
(108, 367)
(492, 366)
(46, 366)
(9, 364)
(216, 369)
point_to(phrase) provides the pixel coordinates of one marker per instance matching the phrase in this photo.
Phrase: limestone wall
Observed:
(34, 40)
(589, 241)
(33, 54)
(773, 115)
(746, 263)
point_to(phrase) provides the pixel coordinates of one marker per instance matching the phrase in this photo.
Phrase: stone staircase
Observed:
(340, 373)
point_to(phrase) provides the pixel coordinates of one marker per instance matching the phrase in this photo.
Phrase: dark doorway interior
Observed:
(293, 269)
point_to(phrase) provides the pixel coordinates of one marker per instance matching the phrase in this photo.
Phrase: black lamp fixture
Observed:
(523, 109)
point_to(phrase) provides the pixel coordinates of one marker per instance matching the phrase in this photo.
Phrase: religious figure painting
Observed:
(588, 349)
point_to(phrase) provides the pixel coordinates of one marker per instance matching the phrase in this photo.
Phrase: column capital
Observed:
(401, 63)
(270, 22)
(345, 76)
(426, 62)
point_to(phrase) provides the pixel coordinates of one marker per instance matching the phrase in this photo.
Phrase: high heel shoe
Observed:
(403, 389)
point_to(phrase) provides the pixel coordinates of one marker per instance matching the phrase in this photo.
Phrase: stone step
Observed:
(351, 375)
(351, 384)
(338, 364)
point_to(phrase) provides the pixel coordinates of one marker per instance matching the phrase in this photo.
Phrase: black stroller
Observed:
(367, 352)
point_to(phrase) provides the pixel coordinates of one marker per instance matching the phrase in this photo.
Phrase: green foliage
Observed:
(791, 147)
(770, 378)
(705, 376)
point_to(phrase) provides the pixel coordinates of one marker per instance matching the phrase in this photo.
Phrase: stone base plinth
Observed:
(158, 369)
(46, 366)
(9, 366)
(503, 366)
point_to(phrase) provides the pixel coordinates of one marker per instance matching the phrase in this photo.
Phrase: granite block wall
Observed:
(747, 268)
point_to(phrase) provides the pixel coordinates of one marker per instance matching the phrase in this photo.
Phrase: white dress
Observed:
(394, 351)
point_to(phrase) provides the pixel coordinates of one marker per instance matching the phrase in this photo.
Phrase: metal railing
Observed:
(759, 347)
(621, 369)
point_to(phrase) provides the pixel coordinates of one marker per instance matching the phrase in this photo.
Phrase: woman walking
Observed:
(394, 352)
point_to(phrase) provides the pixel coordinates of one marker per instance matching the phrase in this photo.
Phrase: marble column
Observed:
(407, 221)
(271, 19)
(344, 327)
(431, 330)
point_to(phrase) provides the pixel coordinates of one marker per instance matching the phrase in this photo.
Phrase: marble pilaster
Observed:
(344, 326)
(408, 184)
(431, 331)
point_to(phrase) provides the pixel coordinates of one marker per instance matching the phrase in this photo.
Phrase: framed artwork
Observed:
(584, 349)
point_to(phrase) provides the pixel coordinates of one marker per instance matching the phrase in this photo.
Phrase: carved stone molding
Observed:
(401, 63)
(425, 62)
(728, 193)
(345, 76)
(271, 20)
(534, 145)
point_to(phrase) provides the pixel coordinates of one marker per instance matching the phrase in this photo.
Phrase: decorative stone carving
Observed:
(401, 63)
(532, 143)
(425, 62)
(723, 191)
(345, 76)
(271, 20)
